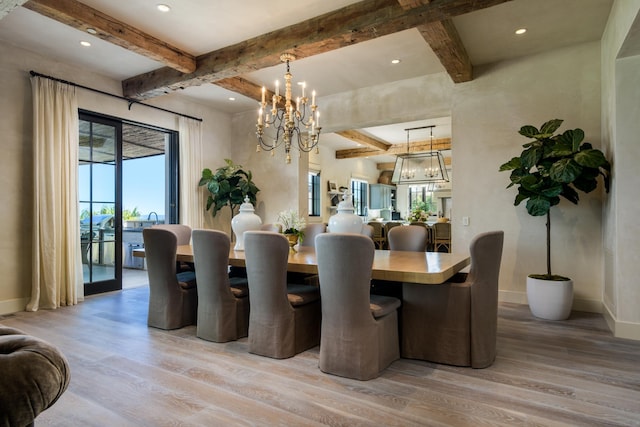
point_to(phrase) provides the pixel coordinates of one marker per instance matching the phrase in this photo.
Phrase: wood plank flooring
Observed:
(570, 373)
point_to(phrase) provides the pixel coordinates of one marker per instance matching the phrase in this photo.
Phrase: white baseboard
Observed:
(621, 329)
(13, 305)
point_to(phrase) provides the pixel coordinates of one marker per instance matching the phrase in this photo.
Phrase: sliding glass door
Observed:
(128, 179)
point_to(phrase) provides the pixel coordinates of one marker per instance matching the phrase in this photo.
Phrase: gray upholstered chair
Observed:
(223, 303)
(441, 236)
(455, 323)
(368, 231)
(173, 297)
(359, 331)
(310, 233)
(284, 319)
(183, 234)
(34, 375)
(408, 238)
(388, 226)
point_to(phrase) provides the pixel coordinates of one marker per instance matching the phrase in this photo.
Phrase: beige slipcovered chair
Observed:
(368, 231)
(408, 238)
(442, 236)
(359, 331)
(310, 233)
(284, 319)
(223, 303)
(173, 298)
(455, 323)
(183, 234)
(388, 226)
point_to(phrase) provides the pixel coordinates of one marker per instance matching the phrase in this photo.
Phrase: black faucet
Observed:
(152, 213)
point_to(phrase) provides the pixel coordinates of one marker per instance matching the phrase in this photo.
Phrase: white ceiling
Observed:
(201, 26)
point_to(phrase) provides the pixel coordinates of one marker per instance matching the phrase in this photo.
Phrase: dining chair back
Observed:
(368, 231)
(284, 319)
(183, 234)
(408, 238)
(223, 303)
(461, 316)
(276, 228)
(442, 236)
(310, 233)
(359, 331)
(378, 234)
(173, 296)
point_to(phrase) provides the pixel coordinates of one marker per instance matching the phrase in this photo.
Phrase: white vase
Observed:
(345, 221)
(550, 299)
(245, 220)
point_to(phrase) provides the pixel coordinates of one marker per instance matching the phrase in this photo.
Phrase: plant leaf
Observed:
(550, 127)
(514, 163)
(530, 157)
(538, 206)
(570, 194)
(529, 131)
(565, 170)
(590, 158)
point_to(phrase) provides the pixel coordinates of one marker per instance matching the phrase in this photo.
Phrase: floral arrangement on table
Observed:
(292, 223)
(419, 215)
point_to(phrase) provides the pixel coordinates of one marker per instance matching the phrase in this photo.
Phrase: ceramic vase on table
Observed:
(345, 221)
(245, 220)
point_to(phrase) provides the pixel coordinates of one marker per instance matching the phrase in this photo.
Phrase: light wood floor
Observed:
(126, 374)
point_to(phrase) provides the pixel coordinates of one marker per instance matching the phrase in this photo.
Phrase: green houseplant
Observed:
(292, 226)
(553, 166)
(228, 186)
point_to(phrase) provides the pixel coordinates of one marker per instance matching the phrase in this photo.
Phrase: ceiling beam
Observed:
(444, 40)
(6, 6)
(395, 149)
(361, 138)
(83, 17)
(348, 26)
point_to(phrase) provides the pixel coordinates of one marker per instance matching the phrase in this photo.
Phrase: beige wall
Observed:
(16, 160)
(620, 129)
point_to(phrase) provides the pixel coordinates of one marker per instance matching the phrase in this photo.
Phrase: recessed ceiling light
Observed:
(85, 43)
(163, 8)
(231, 98)
(91, 31)
(520, 31)
(395, 61)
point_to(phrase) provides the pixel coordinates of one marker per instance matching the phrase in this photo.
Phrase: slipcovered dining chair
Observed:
(368, 231)
(284, 319)
(408, 238)
(310, 233)
(173, 296)
(276, 228)
(387, 227)
(183, 234)
(459, 319)
(223, 303)
(359, 336)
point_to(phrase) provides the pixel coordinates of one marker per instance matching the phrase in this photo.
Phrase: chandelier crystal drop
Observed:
(292, 121)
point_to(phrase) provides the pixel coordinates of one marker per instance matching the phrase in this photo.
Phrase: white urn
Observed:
(245, 220)
(345, 221)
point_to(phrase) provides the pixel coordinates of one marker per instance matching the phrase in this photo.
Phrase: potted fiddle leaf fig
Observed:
(553, 166)
(228, 186)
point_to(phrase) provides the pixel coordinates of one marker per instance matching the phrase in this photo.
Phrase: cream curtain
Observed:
(57, 264)
(192, 199)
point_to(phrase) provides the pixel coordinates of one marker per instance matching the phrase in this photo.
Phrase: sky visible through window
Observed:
(143, 185)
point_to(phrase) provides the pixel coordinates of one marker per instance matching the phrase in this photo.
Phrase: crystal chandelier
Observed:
(295, 121)
(420, 168)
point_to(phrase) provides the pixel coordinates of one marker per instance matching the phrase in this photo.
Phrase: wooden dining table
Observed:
(426, 268)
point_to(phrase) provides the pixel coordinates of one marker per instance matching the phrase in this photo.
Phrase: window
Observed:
(421, 196)
(314, 193)
(359, 191)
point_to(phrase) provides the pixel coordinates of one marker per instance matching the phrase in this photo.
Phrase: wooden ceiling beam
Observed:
(6, 6)
(395, 149)
(83, 17)
(361, 138)
(444, 40)
(347, 26)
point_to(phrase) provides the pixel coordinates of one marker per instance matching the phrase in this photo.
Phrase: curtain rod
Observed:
(130, 101)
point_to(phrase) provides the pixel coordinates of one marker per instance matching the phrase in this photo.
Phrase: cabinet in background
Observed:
(381, 196)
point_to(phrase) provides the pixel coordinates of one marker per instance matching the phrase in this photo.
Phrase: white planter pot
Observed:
(550, 299)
